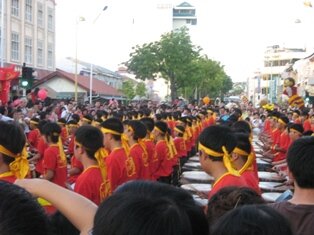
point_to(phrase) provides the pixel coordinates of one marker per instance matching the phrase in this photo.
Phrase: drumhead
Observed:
(194, 159)
(270, 176)
(270, 196)
(193, 165)
(195, 188)
(197, 176)
(200, 201)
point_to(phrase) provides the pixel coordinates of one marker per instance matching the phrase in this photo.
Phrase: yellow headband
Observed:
(86, 120)
(281, 121)
(225, 157)
(19, 167)
(60, 123)
(73, 125)
(108, 131)
(178, 130)
(33, 122)
(240, 151)
(156, 128)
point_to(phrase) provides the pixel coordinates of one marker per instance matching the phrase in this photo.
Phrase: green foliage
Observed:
(178, 61)
(128, 89)
(140, 89)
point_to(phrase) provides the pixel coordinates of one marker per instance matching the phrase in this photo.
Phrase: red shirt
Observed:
(164, 162)
(89, 184)
(64, 134)
(121, 168)
(307, 125)
(152, 157)
(52, 161)
(141, 161)
(33, 138)
(284, 143)
(41, 147)
(251, 180)
(8, 177)
(71, 145)
(75, 163)
(179, 142)
(227, 180)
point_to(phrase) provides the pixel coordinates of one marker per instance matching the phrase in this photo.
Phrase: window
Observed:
(40, 52)
(28, 10)
(50, 55)
(15, 8)
(50, 19)
(40, 15)
(15, 44)
(28, 50)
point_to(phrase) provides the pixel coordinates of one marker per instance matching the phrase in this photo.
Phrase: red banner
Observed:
(6, 75)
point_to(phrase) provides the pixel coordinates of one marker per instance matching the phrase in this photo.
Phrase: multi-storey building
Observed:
(28, 33)
(183, 15)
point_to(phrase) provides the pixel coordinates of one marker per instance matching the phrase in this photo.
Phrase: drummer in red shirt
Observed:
(150, 145)
(180, 144)
(121, 167)
(242, 160)
(216, 143)
(13, 155)
(34, 135)
(93, 182)
(136, 132)
(54, 162)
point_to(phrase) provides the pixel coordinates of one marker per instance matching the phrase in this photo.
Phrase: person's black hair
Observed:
(243, 141)
(12, 138)
(241, 126)
(60, 225)
(52, 131)
(73, 122)
(229, 198)
(35, 119)
(42, 115)
(296, 126)
(149, 123)
(115, 125)
(182, 198)
(158, 116)
(301, 162)
(62, 120)
(161, 125)
(76, 117)
(307, 133)
(252, 220)
(284, 118)
(215, 137)
(41, 124)
(139, 129)
(89, 118)
(182, 129)
(91, 138)
(20, 213)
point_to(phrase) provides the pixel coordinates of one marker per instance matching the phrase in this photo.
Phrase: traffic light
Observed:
(27, 78)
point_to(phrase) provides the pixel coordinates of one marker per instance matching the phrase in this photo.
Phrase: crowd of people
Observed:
(109, 168)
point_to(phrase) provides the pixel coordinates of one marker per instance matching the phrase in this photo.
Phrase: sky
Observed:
(233, 32)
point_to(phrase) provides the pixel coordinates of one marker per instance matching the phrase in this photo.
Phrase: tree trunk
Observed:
(173, 90)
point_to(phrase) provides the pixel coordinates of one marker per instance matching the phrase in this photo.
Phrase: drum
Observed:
(196, 177)
(270, 197)
(270, 177)
(194, 159)
(198, 189)
(192, 166)
(272, 187)
(200, 201)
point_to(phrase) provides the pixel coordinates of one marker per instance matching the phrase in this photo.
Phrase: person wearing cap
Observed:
(13, 155)
(93, 182)
(216, 144)
(120, 165)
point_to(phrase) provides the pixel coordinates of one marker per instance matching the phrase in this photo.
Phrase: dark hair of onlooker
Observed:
(115, 125)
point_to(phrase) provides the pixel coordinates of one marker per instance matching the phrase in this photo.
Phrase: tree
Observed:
(128, 90)
(140, 89)
(171, 58)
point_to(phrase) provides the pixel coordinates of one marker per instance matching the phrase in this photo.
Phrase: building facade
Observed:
(28, 33)
(183, 15)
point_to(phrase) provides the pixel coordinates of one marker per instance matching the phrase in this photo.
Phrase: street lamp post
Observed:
(76, 39)
(91, 65)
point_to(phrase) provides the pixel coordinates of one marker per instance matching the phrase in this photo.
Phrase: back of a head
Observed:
(215, 137)
(138, 128)
(182, 198)
(229, 198)
(126, 213)
(252, 220)
(61, 225)
(149, 123)
(301, 162)
(20, 213)
(241, 126)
